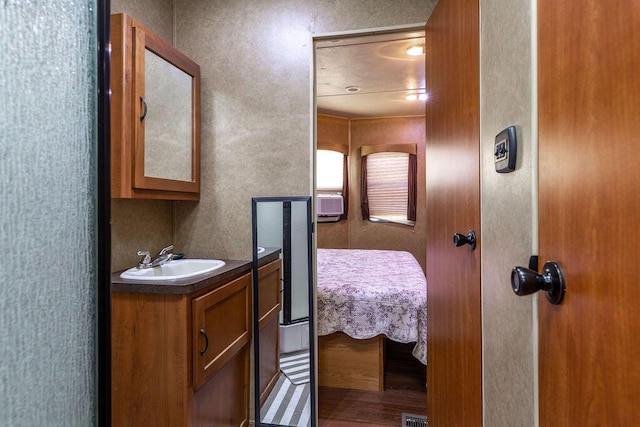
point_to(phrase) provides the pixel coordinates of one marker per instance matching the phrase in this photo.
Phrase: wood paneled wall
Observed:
(333, 131)
(356, 233)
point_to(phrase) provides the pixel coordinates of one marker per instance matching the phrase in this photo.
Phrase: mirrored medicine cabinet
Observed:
(155, 116)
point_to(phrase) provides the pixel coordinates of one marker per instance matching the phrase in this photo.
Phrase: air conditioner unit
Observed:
(329, 204)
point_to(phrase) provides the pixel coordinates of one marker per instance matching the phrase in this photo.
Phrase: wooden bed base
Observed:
(345, 362)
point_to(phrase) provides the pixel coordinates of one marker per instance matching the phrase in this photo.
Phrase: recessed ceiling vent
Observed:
(352, 89)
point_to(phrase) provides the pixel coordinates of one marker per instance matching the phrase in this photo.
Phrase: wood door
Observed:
(454, 377)
(589, 210)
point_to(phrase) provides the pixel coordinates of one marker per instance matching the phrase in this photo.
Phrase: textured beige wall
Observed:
(155, 14)
(142, 224)
(255, 59)
(507, 217)
(139, 225)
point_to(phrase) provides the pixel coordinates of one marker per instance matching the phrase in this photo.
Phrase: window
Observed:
(332, 174)
(330, 171)
(389, 184)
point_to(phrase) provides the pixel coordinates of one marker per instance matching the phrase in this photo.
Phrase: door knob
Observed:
(525, 281)
(469, 239)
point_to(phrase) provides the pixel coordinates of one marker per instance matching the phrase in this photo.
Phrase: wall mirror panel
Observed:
(168, 150)
(283, 311)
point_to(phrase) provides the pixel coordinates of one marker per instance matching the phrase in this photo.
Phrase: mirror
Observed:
(283, 311)
(168, 122)
(166, 111)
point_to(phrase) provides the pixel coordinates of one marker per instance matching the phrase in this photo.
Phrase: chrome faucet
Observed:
(145, 262)
(164, 256)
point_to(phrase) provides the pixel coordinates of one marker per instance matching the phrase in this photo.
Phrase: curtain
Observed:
(413, 190)
(363, 189)
(345, 187)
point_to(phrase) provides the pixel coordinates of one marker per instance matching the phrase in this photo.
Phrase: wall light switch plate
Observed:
(505, 150)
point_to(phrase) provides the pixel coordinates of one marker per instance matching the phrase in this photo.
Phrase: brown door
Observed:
(454, 385)
(589, 213)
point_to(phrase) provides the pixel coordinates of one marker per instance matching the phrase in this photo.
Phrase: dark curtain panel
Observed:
(413, 190)
(363, 190)
(345, 186)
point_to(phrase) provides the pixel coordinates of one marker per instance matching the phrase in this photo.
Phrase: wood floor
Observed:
(405, 391)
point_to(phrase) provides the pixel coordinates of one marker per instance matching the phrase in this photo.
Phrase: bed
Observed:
(362, 297)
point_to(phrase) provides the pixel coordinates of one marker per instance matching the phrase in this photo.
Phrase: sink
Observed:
(260, 249)
(172, 270)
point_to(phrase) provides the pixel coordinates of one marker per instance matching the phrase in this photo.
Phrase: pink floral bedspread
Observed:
(365, 293)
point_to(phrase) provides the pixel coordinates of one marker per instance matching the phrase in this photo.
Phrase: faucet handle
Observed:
(166, 250)
(146, 255)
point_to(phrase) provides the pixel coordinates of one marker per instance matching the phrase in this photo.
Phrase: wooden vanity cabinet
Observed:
(269, 298)
(164, 373)
(155, 116)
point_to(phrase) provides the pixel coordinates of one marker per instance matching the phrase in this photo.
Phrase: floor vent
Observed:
(410, 420)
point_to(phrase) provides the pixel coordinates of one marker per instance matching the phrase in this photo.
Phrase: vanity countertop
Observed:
(231, 269)
(269, 254)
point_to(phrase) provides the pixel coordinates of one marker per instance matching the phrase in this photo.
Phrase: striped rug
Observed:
(296, 366)
(288, 404)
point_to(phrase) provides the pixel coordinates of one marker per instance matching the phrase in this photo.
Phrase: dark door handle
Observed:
(144, 108)
(469, 239)
(206, 342)
(525, 281)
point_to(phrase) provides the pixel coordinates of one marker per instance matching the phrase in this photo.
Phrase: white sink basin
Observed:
(260, 249)
(172, 270)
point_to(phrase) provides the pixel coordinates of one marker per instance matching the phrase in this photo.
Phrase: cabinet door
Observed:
(269, 287)
(155, 116)
(221, 327)
(224, 400)
(269, 357)
(166, 87)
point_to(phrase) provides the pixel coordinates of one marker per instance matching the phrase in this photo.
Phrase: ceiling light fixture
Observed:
(417, 96)
(352, 89)
(416, 50)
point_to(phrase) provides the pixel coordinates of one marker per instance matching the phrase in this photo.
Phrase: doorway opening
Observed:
(368, 90)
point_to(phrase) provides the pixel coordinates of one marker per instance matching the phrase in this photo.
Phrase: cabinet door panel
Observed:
(270, 286)
(224, 401)
(269, 357)
(221, 327)
(158, 163)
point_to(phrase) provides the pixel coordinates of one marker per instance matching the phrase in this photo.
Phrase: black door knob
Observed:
(469, 239)
(525, 281)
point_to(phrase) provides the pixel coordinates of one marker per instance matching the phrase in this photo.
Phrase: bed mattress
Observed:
(365, 293)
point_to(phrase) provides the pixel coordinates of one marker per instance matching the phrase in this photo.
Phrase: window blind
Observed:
(387, 185)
